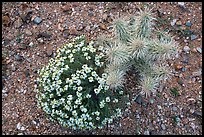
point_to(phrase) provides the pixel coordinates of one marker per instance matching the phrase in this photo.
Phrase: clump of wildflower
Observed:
(73, 87)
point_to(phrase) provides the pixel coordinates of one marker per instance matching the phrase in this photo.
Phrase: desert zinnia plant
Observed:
(73, 88)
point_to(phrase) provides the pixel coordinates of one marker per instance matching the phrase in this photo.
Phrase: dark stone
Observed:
(90, 13)
(139, 99)
(197, 113)
(44, 35)
(6, 41)
(27, 73)
(18, 57)
(180, 82)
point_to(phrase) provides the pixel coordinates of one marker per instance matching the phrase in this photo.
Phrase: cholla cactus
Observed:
(136, 43)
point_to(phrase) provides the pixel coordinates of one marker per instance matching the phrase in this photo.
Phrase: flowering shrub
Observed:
(73, 90)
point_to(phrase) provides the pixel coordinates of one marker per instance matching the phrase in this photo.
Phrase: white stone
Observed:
(181, 3)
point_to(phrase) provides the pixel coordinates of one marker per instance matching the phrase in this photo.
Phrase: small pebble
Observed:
(199, 50)
(31, 44)
(146, 132)
(183, 69)
(139, 99)
(186, 49)
(174, 108)
(193, 37)
(181, 4)
(173, 22)
(37, 20)
(163, 126)
(188, 24)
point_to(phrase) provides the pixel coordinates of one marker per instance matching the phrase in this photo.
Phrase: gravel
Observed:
(19, 105)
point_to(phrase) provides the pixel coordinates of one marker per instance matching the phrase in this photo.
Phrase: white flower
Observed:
(67, 51)
(85, 54)
(79, 88)
(121, 92)
(97, 118)
(78, 94)
(91, 79)
(70, 56)
(74, 113)
(106, 87)
(104, 75)
(97, 113)
(102, 104)
(74, 51)
(88, 58)
(88, 96)
(71, 60)
(69, 97)
(115, 100)
(96, 91)
(107, 99)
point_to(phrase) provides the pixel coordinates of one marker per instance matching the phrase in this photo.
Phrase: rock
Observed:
(197, 73)
(28, 32)
(178, 67)
(18, 57)
(20, 127)
(18, 23)
(192, 111)
(182, 4)
(27, 73)
(163, 127)
(173, 22)
(105, 17)
(31, 44)
(20, 134)
(37, 20)
(199, 50)
(88, 28)
(4, 91)
(151, 101)
(180, 82)
(138, 116)
(183, 69)
(13, 68)
(193, 37)
(174, 108)
(49, 51)
(44, 35)
(72, 31)
(40, 40)
(6, 41)
(159, 107)
(186, 49)
(59, 26)
(139, 99)
(6, 20)
(26, 16)
(146, 132)
(66, 8)
(102, 26)
(66, 34)
(179, 23)
(80, 27)
(188, 24)
(197, 113)
(90, 13)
